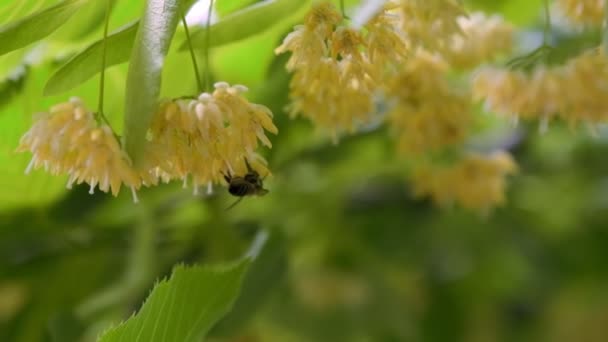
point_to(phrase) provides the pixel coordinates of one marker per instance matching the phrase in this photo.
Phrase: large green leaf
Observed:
(11, 10)
(228, 64)
(266, 273)
(245, 23)
(184, 307)
(36, 26)
(86, 64)
(156, 29)
(223, 8)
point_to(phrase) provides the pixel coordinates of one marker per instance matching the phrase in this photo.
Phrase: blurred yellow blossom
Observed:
(209, 136)
(431, 24)
(575, 91)
(69, 140)
(429, 112)
(385, 43)
(583, 11)
(336, 68)
(482, 39)
(475, 182)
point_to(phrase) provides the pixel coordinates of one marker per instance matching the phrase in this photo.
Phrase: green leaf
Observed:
(10, 10)
(36, 26)
(245, 23)
(184, 307)
(86, 64)
(154, 35)
(223, 8)
(266, 273)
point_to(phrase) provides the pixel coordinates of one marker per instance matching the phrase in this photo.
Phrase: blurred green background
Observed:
(351, 256)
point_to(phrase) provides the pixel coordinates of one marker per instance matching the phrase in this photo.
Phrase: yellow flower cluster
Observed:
(483, 38)
(476, 182)
(204, 138)
(574, 92)
(587, 12)
(431, 24)
(429, 113)
(336, 69)
(209, 136)
(69, 140)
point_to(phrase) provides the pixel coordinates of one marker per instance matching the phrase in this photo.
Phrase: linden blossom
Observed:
(483, 39)
(431, 24)
(574, 92)
(69, 140)
(475, 182)
(429, 113)
(335, 77)
(586, 12)
(208, 137)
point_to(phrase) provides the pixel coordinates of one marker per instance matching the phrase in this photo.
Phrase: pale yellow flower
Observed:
(516, 94)
(482, 39)
(322, 17)
(429, 113)
(585, 88)
(69, 140)
(308, 42)
(337, 69)
(305, 45)
(589, 12)
(386, 47)
(476, 182)
(210, 136)
(574, 92)
(431, 24)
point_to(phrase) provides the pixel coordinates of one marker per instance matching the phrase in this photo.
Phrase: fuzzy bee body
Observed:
(248, 185)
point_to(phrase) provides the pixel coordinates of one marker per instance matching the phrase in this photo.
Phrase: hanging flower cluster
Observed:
(69, 140)
(210, 136)
(481, 39)
(429, 113)
(586, 12)
(475, 182)
(444, 28)
(574, 92)
(431, 24)
(204, 138)
(403, 57)
(336, 68)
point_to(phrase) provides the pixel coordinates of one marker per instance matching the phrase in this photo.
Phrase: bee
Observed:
(251, 184)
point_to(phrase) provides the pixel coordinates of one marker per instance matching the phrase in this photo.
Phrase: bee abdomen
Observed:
(241, 189)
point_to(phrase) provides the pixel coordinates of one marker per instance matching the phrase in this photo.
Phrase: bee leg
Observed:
(226, 177)
(235, 203)
(249, 169)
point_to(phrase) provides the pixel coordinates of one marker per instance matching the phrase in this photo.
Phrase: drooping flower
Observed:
(574, 92)
(482, 39)
(431, 24)
(336, 69)
(69, 140)
(429, 113)
(386, 47)
(308, 42)
(476, 182)
(586, 12)
(211, 136)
